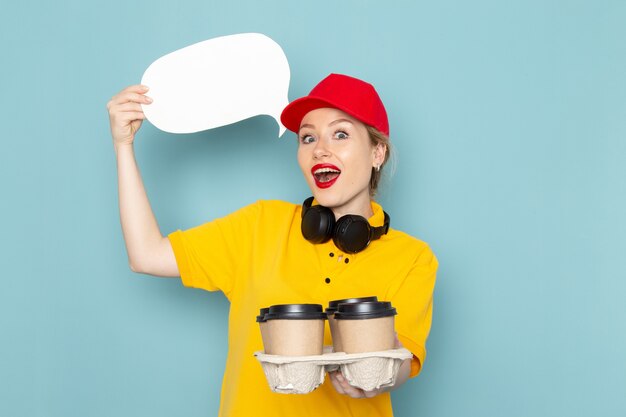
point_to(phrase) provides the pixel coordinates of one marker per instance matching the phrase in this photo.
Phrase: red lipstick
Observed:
(325, 175)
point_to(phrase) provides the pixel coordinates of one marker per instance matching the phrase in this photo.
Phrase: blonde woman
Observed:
(337, 244)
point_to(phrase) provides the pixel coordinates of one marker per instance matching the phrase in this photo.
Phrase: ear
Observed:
(380, 150)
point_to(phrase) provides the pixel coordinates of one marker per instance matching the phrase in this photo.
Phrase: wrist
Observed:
(123, 147)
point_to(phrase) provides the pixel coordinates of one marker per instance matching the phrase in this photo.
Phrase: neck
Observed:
(363, 209)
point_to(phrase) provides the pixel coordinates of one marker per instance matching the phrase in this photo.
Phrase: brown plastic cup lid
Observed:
(261, 317)
(332, 306)
(296, 312)
(367, 310)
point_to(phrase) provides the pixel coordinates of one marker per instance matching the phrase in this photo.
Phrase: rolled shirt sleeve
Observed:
(208, 255)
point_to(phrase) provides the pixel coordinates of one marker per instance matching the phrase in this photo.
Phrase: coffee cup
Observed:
(263, 326)
(366, 327)
(332, 323)
(295, 329)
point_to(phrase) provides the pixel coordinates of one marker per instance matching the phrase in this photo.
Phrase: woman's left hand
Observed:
(343, 387)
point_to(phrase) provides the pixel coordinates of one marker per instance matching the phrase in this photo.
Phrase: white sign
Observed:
(218, 82)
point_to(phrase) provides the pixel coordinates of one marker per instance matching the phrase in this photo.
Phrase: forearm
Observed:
(139, 226)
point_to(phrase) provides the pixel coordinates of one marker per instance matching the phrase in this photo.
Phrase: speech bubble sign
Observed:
(218, 82)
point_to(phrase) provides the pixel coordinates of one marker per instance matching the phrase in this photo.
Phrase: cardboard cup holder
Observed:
(303, 374)
(295, 361)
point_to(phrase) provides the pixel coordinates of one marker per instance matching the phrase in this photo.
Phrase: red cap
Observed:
(351, 95)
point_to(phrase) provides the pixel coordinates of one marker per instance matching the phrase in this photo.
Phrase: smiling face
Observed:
(336, 156)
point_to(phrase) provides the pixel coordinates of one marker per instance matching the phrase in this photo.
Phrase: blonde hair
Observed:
(378, 138)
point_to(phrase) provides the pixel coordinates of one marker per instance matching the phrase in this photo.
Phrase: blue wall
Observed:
(509, 119)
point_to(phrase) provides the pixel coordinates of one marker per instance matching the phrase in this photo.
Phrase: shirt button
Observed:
(331, 254)
(327, 280)
(347, 260)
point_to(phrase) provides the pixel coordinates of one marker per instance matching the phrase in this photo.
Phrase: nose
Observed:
(321, 149)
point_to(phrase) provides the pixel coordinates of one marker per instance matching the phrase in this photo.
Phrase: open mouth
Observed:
(325, 175)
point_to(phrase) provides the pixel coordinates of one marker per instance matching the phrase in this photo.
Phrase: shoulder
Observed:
(268, 206)
(410, 247)
(273, 211)
(275, 207)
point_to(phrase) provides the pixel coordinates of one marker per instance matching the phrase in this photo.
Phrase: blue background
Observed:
(509, 122)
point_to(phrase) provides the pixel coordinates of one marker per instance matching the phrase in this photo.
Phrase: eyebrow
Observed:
(339, 121)
(330, 124)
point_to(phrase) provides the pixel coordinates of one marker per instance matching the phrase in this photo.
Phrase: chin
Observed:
(328, 198)
(325, 201)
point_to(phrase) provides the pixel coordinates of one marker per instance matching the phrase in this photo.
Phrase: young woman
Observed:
(274, 252)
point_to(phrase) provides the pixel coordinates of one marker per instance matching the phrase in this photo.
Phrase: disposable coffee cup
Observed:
(366, 327)
(330, 312)
(295, 329)
(263, 326)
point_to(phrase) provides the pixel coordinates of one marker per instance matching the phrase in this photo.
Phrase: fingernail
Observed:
(145, 87)
(148, 99)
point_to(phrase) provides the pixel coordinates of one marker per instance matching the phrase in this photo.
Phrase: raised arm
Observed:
(149, 252)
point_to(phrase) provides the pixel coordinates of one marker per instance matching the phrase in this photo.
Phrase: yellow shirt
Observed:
(258, 257)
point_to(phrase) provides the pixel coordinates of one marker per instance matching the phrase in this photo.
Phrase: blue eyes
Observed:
(306, 139)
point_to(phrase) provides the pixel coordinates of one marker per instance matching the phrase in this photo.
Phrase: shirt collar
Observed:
(377, 219)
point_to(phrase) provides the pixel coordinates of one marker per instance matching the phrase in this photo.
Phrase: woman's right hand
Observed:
(126, 114)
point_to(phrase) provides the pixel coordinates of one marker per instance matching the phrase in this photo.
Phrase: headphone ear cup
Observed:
(352, 233)
(318, 223)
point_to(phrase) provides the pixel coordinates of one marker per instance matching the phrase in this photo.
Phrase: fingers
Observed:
(126, 113)
(397, 343)
(134, 94)
(137, 88)
(348, 389)
(132, 116)
(134, 107)
(335, 382)
(343, 387)
(132, 97)
(370, 394)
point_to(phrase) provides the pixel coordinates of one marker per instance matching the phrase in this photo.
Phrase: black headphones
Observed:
(351, 233)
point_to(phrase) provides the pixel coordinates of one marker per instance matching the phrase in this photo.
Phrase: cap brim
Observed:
(292, 115)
